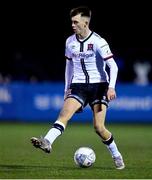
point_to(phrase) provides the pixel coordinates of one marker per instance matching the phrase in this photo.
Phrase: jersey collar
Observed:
(85, 38)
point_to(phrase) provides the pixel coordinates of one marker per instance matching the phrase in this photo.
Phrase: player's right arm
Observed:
(68, 69)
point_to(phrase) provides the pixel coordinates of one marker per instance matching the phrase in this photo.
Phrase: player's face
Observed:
(78, 24)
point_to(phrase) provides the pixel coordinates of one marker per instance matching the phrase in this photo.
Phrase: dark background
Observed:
(33, 37)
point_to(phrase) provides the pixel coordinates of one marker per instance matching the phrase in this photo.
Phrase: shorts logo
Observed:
(90, 47)
(68, 92)
(104, 97)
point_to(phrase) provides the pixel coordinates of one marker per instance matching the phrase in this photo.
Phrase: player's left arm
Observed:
(105, 52)
(111, 93)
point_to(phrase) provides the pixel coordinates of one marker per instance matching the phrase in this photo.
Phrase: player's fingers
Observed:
(108, 96)
(111, 96)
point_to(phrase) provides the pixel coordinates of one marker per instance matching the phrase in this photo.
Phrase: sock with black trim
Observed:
(56, 130)
(112, 147)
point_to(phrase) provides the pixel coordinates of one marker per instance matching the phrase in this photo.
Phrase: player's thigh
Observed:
(99, 114)
(70, 106)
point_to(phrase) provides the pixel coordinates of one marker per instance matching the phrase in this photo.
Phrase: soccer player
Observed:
(86, 82)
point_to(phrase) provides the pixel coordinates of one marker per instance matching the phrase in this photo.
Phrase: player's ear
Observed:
(86, 23)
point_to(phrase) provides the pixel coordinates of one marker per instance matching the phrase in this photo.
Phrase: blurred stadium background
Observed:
(32, 63)
(32, 59)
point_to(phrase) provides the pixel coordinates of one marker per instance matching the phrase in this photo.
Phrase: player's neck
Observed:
(84, 34)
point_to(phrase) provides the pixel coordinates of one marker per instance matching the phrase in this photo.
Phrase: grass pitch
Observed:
(20, 160)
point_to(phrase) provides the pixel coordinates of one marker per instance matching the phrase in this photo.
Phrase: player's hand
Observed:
(111, 94)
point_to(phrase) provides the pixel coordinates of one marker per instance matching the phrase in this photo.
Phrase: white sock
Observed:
(54, 132)
(113, 149)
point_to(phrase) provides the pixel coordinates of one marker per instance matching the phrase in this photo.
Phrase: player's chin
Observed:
(74, 30)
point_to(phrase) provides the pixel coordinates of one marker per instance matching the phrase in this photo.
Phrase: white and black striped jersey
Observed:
(88, 58)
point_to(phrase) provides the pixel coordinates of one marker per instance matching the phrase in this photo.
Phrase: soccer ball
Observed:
(84, 157)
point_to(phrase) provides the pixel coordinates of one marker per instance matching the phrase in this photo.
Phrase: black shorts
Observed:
(93, 93)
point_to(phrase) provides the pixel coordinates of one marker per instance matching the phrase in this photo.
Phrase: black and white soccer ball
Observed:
(84, 157)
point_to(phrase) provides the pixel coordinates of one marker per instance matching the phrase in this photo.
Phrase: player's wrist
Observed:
(110, 87)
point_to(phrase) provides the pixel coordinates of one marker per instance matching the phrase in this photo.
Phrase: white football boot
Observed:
(41, 143)
(119, 163)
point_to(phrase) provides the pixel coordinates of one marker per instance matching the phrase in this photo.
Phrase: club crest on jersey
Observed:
(90, 47)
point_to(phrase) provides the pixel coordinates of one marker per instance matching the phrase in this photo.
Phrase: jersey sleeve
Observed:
(103, 49)
(67, 50)
(68, 74)
(113, 72)
(105, 52)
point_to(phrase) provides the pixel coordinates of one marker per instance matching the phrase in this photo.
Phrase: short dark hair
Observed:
(83, 10)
